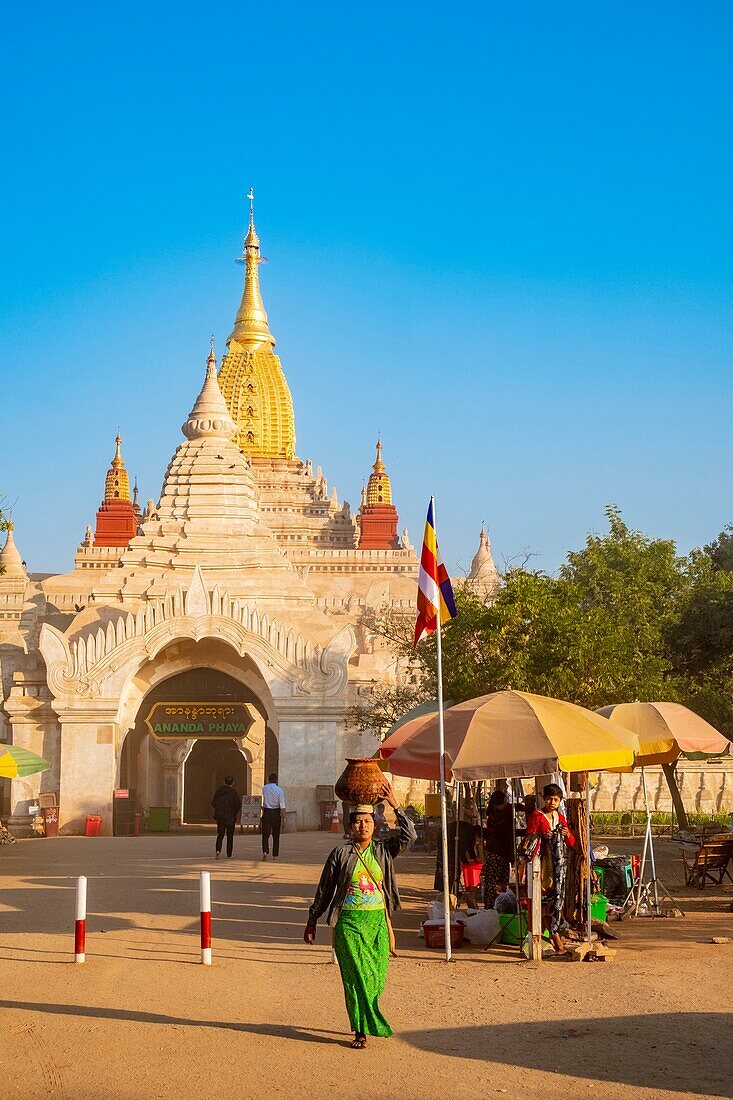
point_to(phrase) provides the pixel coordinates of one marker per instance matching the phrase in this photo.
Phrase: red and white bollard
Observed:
(80, 926)
(205, 887)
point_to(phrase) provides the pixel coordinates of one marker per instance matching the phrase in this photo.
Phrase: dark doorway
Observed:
(208, 762)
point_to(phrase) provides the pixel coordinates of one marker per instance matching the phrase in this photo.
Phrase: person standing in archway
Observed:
(227, 804)
(273, 816)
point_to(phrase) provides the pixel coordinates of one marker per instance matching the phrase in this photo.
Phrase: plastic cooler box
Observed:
(434, 932)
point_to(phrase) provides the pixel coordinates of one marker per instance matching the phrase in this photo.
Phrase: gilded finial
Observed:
(117, 482)
(379, 487)
(251, 325)
(211, 359)
(378, 466)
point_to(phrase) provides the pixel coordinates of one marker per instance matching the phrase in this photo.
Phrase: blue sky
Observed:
(502, 234)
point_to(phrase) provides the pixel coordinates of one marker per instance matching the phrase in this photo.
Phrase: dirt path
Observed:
(143, 1019)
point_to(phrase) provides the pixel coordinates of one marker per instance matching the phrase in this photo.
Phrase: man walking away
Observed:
(273, 816)
(227, 804)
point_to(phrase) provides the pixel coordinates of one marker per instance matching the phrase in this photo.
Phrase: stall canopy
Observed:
(667, 731)
(509, 734)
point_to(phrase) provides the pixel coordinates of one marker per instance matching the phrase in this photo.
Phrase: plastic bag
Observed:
(436, 911)
(482, 925)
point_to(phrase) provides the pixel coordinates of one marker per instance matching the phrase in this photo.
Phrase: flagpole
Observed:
(441, 751)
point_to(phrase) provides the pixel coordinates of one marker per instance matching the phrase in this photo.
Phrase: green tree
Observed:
(594, 635)
(700, 640)
(720, 550)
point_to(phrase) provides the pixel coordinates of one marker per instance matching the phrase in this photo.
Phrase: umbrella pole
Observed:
(649, 845)
(588, 884)
(645, 849)
(441, 751)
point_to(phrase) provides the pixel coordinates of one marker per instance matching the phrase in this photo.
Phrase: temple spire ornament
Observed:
(483, 573)
(251, 377)
(209, 418)
(117, 482)
(251, 326)
(379, 486)
(378, 517)
(11, 563)
(116, 518)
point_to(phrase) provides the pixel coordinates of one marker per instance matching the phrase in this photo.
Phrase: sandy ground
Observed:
(142, 1018)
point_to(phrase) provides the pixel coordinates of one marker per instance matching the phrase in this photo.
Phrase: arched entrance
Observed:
(204, 770)
(178, 762)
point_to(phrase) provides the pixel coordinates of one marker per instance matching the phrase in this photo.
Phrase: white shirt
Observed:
(273, 797)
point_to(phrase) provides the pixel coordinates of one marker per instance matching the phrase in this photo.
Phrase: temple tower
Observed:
(378, 517)
(11, 563)
(251, 377)
(116, 518)
(483, 573)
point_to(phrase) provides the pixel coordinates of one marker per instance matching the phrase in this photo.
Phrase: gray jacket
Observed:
(339, 868)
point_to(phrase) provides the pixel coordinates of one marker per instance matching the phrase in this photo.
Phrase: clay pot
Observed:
(360, 784)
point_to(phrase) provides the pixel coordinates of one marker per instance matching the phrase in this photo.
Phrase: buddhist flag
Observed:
(434, 592)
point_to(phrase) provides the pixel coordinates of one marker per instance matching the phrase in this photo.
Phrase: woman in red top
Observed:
(549, 828)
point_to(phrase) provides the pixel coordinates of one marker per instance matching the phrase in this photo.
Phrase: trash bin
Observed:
(50, 820)
(94, 824)
(159, 819)
(327, 811)
(511, 929)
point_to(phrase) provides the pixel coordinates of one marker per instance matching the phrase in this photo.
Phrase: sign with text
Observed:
(251, 809)
(175, 720)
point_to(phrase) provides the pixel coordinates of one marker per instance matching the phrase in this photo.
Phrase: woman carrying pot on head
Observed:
(358, 893)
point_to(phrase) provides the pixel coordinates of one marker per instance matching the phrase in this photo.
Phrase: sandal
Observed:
(358, 1042)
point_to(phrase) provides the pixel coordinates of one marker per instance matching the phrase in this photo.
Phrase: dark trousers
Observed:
(271, 828)
(228, 828)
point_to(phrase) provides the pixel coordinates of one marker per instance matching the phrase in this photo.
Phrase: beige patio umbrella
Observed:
(507, 735)
(512, 734)
(666, 731)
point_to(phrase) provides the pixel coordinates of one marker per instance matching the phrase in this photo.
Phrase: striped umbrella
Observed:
(16, 762)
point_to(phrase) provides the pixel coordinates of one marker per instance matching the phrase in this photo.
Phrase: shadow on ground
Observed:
(605, 1048)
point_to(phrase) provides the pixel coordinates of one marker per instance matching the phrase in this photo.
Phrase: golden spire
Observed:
(251, 325)
(117, 482)
(379, 487)
(251, 377)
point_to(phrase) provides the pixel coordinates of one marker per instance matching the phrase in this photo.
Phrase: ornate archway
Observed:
(180, 765)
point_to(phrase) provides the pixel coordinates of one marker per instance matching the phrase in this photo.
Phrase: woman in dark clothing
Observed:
(358, 892)
(469, 834)
(498, 847)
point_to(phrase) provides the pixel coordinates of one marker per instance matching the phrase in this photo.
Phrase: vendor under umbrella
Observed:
(548, 829)
(469, 834)
(498, 847)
